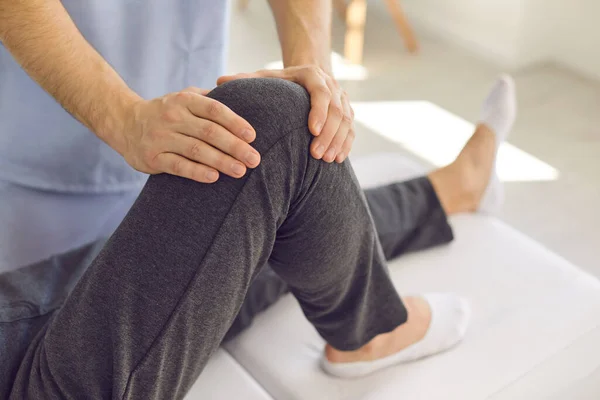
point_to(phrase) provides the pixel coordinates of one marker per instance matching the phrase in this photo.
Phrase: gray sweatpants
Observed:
(143, 319)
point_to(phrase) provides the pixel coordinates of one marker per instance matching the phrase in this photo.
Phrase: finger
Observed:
(220, 138)
(334, 118)
(176, 165)
(342, 133)
(264, 73)
(228, 78)
(320, 98)
(203, 153)
(217, 112)
(346, 147)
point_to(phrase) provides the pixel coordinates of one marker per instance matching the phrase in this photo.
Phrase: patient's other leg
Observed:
(470, 183)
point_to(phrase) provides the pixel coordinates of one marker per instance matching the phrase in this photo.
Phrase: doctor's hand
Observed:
(189, 135)
(331, 118)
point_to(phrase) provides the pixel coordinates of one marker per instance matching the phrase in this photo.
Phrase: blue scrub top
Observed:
(157, 46)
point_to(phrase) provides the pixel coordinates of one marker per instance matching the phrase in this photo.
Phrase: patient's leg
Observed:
(412, 215)
(408, 217)
(155, 304)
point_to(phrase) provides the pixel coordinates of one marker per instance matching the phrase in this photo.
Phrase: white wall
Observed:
(577, 36)
(488, 27)
(536, 41)
(517, 33)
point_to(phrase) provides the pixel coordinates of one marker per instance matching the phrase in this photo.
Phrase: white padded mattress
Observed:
(224, 379)
(535, 329)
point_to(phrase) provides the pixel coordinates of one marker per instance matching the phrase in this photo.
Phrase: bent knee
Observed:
(270, 105)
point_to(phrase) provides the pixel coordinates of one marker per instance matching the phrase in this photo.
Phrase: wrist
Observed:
(323, 62)
(113, 126)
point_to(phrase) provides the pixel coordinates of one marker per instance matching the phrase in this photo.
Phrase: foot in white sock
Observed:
(470, 183)
(498, 114)
(436, 323)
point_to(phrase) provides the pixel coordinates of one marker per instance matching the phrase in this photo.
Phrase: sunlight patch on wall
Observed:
(437, 136)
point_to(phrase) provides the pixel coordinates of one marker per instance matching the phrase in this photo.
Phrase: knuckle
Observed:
(148, 155)
(336, 110)
(347, 118)
(177, 166)
(328, 78)
(324, 91)
(313, 69)
(165, 100)
(214, 109)
(184, 95)
(338, 141)
(343, 135)
(171, 115)
(209, 132)
(153, 162)
(196, 150)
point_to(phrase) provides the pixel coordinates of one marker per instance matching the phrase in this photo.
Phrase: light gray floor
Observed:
(559, 120)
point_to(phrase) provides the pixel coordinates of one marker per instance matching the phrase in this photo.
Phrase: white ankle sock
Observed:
(450, 315)
(498, 113)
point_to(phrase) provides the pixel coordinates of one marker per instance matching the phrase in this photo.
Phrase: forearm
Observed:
(43, 39)
(304, 28)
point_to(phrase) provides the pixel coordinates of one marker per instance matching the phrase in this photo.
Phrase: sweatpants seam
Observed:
(53, 380)
(183, 296)
(34, 314)
(28, 318)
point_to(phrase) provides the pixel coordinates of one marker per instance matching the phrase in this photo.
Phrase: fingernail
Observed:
(247, 135)
(238, 169)
(330, 155)
(252, 158)
(318, 128)
(212, 176)
(320, 150)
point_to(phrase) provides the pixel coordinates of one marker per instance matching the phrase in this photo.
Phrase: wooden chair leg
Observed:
(403, 25)
(243, 4)
(341, 8)
(356, 17)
